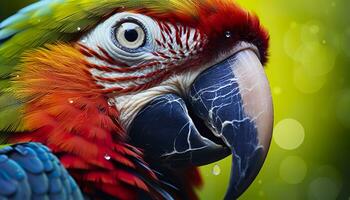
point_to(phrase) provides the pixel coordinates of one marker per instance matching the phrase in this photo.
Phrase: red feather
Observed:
(69, 113)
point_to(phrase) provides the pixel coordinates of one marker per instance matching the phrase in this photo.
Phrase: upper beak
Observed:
(228, 110)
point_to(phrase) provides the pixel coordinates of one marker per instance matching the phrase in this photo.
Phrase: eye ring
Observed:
(130, 35)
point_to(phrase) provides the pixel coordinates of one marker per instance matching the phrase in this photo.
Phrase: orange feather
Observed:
(67, 111)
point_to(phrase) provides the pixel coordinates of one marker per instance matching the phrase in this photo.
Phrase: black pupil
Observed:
(131, 35)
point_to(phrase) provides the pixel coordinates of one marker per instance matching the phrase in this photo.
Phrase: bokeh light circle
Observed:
(323, 188)
(317, 59)
(293, 170)
(277, 90)
(289, 134)
(310, 31)
(307, 83)
(292, 40)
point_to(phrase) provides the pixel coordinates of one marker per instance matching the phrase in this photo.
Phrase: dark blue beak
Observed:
(227, 111)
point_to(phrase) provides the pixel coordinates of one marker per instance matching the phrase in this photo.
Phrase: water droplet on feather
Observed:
(228, 34)
(107, 157)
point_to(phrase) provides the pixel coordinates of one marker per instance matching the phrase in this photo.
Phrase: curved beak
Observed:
(227, 111)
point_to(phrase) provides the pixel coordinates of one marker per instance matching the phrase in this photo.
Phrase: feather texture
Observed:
(31, 171)
(48, 95)
(52, 21)
(66, 111)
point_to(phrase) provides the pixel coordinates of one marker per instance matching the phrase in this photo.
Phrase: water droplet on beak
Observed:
(216, 170)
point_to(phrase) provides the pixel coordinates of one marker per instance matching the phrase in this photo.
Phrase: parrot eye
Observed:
(130, 35)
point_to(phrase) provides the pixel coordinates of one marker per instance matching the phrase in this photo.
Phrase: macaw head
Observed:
(182, 80)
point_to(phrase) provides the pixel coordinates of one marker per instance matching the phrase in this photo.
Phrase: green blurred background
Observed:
(309, 74)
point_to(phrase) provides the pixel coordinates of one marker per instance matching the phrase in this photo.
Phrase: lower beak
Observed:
(228, 110)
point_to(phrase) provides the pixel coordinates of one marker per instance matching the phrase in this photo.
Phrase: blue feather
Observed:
(31, 171)
(6, 34)
(39, 8)
(12, 20)
(35, 6)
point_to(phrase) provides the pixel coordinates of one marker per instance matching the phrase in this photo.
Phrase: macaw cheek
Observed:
(234, 100)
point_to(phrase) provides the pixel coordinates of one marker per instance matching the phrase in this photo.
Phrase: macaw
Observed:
(124, 99)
